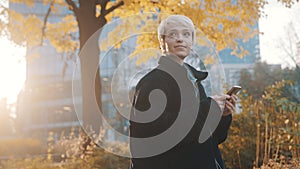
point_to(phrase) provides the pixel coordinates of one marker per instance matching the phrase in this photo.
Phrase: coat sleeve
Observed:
(136, 129)
(221, 132)
(206, 103)
(141, 103)
(204, 107)
(145, 130)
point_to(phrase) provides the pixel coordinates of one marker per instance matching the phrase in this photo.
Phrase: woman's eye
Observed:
(172, 34)
(187, 34)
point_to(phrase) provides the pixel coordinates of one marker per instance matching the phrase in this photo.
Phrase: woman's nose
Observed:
(179, 38)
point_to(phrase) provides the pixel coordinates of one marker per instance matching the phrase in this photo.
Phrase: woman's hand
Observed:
(230, 105)
(226, 103)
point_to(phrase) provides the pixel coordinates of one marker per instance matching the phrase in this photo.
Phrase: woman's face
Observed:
(178, 41)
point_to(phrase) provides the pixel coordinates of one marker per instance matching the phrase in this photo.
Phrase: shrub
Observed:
(21, 147)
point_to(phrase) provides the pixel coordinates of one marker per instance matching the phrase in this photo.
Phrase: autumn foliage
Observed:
(266, 134)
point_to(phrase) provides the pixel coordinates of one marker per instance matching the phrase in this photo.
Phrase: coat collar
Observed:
(199, 75)
(165, 60)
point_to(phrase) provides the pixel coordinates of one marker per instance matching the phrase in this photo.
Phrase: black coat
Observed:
(188, 153)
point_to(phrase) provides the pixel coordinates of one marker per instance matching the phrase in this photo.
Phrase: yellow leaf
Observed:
(209, 60)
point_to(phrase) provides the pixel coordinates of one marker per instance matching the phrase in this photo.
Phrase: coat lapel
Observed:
(199, 75)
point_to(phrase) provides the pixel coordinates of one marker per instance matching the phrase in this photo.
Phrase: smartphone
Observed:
(234, 90)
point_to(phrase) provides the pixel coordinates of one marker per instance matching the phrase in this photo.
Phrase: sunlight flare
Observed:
(12, 70)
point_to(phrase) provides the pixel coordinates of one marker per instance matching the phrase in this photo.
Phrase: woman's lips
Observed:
(180, 46)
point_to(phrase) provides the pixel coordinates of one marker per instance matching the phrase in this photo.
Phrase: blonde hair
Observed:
(174, 20)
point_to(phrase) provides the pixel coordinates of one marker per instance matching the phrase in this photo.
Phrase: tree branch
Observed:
(45, 21)
(103, 5)
(288, 52)
(112, 8)
(73, 5)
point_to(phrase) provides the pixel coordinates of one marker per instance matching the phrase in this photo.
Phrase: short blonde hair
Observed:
(174, 20)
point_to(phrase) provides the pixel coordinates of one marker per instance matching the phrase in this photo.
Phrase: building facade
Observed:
(233, 64)
(46, 104)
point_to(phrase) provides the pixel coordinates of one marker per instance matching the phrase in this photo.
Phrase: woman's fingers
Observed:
(226, 103)
(230, 105)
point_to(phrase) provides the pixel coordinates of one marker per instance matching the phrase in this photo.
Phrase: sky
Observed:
(12, 62)
(274, 28)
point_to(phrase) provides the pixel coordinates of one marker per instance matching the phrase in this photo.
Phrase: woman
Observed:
(181, 87)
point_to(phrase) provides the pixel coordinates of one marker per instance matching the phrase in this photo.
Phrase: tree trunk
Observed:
(266, 158)
(89, 61)
(257, 134)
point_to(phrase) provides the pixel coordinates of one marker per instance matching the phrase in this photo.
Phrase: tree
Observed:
(223, 22)
(264, 75)
(290, 46)
(256, 82)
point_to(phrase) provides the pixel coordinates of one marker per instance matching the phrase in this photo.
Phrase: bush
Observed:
(293, 164)
(21, 147)
(72, 152)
